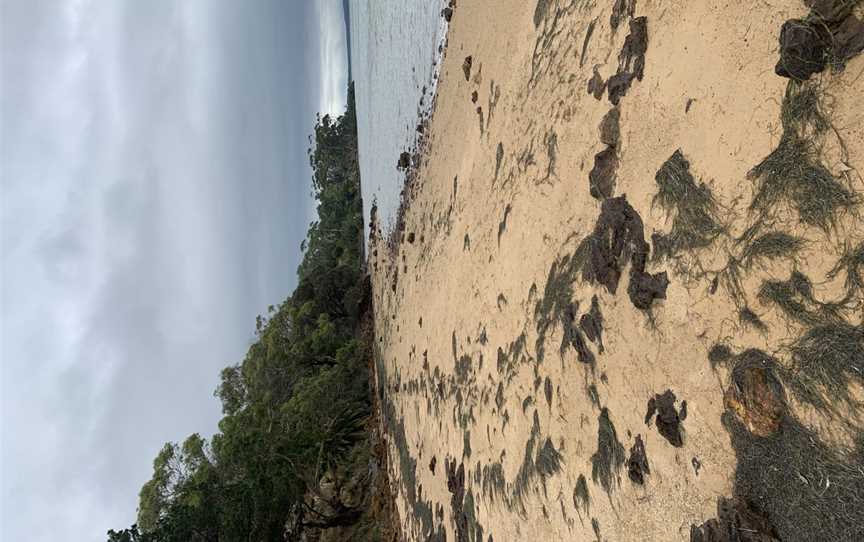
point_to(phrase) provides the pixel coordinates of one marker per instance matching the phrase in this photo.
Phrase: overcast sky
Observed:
(155, 190)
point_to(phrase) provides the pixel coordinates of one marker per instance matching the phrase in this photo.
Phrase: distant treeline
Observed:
(291, 457)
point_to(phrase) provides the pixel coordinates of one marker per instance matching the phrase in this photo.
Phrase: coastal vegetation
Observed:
(293, 452)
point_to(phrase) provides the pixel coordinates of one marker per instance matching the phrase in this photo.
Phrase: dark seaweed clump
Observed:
(581, 497)
(794, 297)
(619, 235)
(806, 490)
(631, 60)
(637, 464)
(607, 461)
(736, 521)
(825, 360)
(591, 324)
(695, 223)
(456, 487)
(793, 173)
(668, 418)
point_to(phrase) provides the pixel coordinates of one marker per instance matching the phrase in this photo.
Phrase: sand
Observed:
(486, 236)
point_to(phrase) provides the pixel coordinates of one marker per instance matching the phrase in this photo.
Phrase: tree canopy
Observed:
(294, 408)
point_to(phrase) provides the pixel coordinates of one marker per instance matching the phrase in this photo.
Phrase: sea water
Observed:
(394, 54)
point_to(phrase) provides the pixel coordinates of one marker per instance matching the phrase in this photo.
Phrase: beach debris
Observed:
(588, 34)
(735, 522)
(697, 465)
(754, 395)
(607, 461)
(592, 324)
(432, 464)
(466, 67)
(581, 497)
(619, 235)
(499, 156)
(631, 60)
(404, 161)
(668, 418)
(621, 9)
(456, 487)
(601, 179)
(540, 12)
(829, 36)
(637, 464)
(502, 226)
(695, 222)
(596, 85)
(610, 131)
(447, 13)
(474, 97)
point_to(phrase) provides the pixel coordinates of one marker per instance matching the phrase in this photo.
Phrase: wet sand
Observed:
(479, 273)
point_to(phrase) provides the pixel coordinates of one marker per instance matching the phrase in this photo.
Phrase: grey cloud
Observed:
(155, 189)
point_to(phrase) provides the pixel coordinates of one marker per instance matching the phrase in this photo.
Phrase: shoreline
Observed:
(478, 283)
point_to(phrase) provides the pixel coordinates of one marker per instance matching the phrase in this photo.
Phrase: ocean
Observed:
(394, 58)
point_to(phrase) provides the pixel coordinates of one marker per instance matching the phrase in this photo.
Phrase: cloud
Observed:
(155, 192)
(332, 56)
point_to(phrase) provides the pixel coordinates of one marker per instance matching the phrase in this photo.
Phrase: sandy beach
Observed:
(477, 367)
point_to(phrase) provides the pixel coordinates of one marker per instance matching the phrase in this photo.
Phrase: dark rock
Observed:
(618, 86)
(848, 39)
(618, 235)
(474, 97)
(601, 179)
(830, 35)
(596, 85)
(735, 522)
(609, 127)
(411, 237)
(466, 67)
(404, 161)
(637, 464)
(668, 420)
(804, 49)
(432, 464)
(447, 13)
(755, 395)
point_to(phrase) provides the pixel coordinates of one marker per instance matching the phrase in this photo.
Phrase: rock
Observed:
(474, 97)
(803, 49)
(609, 127)
(601, 179)
(404, 161)
(637, 464)
(466, 67)
(447, 13)
(618, 86)
(755, 396)
(596, 85)
(735, 522)
(411, 237)
(830, 34)
(618, 234)
(668, 419)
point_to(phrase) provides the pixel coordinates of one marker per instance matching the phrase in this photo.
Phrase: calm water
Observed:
(394, 44)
